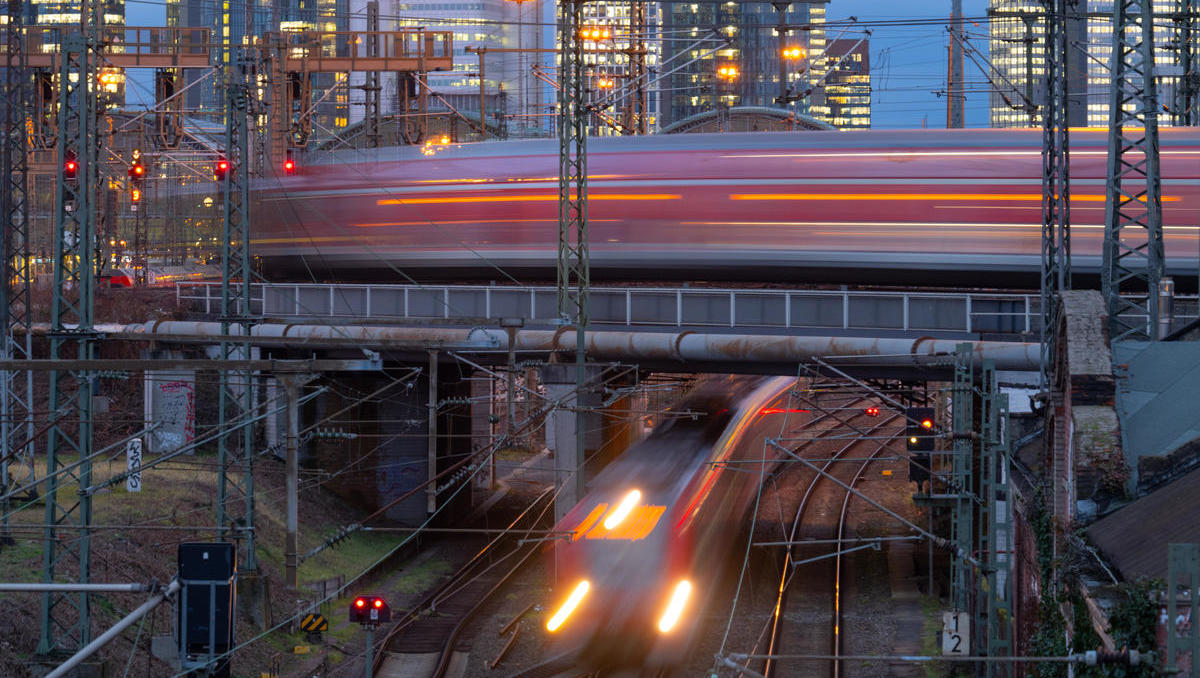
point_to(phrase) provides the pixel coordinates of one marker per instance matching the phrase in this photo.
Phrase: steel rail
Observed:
(787, 569)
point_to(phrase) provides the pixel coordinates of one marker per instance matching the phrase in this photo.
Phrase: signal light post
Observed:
(370, 612)
(920, 435)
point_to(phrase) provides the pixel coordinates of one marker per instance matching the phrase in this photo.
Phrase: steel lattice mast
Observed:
(573, 261)
(1186, 91)
(1056, 178)
(66, 617)
(16, 389)
(236, 399)
(1133, 239)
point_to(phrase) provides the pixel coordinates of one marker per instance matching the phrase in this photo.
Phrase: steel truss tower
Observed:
(16, 389)
(573, 260)
(1133, 238)
(65, 616)
(236, 402)
(1186, 92)
(1056, 177)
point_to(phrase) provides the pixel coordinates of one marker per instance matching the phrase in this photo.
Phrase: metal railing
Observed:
(939, 312)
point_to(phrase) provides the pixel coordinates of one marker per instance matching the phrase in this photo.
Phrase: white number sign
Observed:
(956, 633)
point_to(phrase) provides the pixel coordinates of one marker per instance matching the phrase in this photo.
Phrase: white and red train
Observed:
(891, 205)
(658, 526)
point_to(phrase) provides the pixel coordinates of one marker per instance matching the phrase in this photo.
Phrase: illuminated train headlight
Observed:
(679, 598)
(573, 601)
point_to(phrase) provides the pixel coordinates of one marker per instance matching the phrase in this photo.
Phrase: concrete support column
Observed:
(561, 434)
(291, 385)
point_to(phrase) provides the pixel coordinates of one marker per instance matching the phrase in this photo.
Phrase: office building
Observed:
(1018, 78)
(846, 92)
(697, 59)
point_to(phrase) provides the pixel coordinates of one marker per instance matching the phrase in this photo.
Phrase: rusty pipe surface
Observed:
(681, 347)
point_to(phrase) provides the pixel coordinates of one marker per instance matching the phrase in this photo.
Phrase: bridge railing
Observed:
(684, 307)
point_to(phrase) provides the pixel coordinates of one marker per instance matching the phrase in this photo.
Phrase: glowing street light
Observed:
(595, 33)
(794, 53)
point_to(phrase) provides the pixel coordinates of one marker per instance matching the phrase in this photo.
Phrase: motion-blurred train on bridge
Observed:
(920, 206)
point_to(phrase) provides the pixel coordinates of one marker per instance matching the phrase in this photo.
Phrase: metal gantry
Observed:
(995, 541)
(573, 260)
(1133, 239)
(236, 403)
(16, 389)
(1188, 88)
(1056, 177)
(66, 617)
(961, 456)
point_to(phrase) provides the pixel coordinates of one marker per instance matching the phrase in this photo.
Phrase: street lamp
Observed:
(788, 53)
(794, 53)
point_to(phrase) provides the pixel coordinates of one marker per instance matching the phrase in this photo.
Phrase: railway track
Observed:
(817, 572)
(425, 638)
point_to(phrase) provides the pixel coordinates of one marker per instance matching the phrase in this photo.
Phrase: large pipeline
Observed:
(680, 347)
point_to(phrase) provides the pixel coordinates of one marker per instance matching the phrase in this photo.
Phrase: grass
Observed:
(353, 555)
(422, 576)
(932, 637)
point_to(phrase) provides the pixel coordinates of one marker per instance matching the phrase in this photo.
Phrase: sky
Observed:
(908, 64)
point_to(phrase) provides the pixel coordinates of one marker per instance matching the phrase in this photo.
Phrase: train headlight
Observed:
(679, 598)
(623, 510)
(573, 601)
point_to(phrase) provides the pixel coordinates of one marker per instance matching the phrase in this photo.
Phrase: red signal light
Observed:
(69, 169)
(221, 169)
(872, 411)
(360, 602)
(289, 166)
(378, 602)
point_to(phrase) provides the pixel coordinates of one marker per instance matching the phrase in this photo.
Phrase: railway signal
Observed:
(70, 165)
(872, 411)
(370, 612)
(289, 166)
(137, 170)
(920, 434)
(220, 169)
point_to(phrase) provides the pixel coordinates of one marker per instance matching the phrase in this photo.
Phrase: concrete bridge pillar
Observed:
(569, 459)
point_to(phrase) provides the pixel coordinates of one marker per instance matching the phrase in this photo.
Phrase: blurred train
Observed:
(160, 276)
(658, 526)
(901, 206)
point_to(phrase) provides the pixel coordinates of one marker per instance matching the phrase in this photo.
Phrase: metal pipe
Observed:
(38, 587)
(666, 346)
(104, 638)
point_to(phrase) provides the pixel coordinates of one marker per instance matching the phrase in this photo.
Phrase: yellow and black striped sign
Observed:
(314, 623)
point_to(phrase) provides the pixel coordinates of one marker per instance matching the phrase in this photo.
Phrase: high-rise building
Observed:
(65, 14)
(847, 88)
(701, 39)
(245, 23)
(1016, 53)
(481, 25)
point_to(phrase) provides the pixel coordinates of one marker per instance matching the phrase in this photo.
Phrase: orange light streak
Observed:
(993, 197)
(524, 198)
